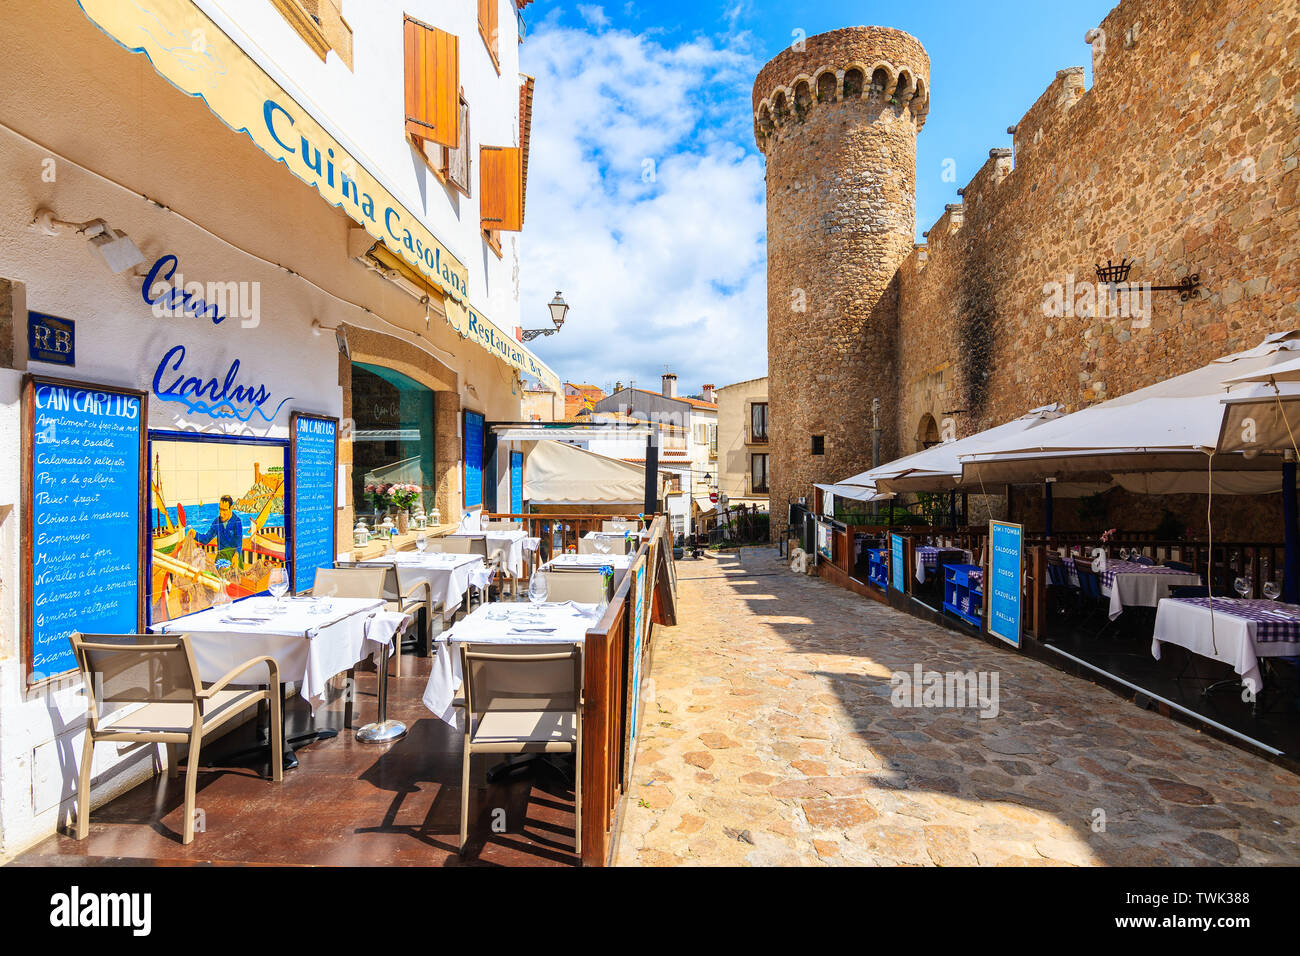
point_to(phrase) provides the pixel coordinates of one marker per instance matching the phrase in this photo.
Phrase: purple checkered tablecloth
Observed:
(1273, 622)
(1132, 567)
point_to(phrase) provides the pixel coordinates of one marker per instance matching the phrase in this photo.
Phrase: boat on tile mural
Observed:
(200, 545)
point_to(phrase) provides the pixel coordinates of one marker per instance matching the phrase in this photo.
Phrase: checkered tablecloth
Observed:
(976, 576)
(1132, 567)
(1273, 622)
(927, 559)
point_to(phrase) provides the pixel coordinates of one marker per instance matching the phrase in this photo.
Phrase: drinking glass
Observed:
(421, 543)
(278, 584)
(537, 588)
(1272, 590)
(1241, 586)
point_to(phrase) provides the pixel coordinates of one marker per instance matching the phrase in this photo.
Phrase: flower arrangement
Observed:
(403, 494)
(377, 493)
(1107, 535)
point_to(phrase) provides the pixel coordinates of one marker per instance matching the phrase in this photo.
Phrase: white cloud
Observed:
(646, 207)
(593, 15)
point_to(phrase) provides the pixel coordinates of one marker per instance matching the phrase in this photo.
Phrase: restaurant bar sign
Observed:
(51, 339)
(197, 57)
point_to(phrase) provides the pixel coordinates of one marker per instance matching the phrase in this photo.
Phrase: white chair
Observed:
(158, 671)
(522, 699)
(581, 585)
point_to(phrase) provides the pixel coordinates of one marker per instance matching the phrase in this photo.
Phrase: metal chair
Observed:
(522, 699)
(580, 585)
(401, 595)
(158, 671)
(469, 544)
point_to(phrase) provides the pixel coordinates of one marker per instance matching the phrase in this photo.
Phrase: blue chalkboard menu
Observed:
(1004, 591)
(313, 453)
(897, 568)
(473, 459)
(517, 482)
(83, 511)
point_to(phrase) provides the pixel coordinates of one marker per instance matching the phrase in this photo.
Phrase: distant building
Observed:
(743, 442)
(580, 398)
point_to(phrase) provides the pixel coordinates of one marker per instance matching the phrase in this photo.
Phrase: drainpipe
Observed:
(875, 449)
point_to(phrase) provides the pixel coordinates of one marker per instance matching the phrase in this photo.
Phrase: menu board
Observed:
(1004, 590)
(313, 454)
(473, 459)
(897, 570)
(517, 482)
(83, 507)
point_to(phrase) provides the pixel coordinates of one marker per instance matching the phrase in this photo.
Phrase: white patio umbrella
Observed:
(1169, 429)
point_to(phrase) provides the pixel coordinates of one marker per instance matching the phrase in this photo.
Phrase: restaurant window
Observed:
(432, 84)
(488, 30)
(758, 422)
(392, 437)
(758, 474)
(321, 25)
(819, 444)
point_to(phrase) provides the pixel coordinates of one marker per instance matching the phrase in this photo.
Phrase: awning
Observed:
(1267, 418)
(556, 473)
(562, 432)
(1171, 426)
(856, 492)
(704, 504)
(938, 468)
(246, 98)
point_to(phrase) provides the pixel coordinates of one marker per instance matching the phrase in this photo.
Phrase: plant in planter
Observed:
(377, 493)
(403, 495)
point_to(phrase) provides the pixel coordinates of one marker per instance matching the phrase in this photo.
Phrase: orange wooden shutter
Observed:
(432, 84)
(500, 192)
(487, 22)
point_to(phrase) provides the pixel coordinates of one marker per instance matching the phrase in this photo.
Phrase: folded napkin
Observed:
(382, 625)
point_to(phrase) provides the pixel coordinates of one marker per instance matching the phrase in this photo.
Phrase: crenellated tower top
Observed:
(885, 68)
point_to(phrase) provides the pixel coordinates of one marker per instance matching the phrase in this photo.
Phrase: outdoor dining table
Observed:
(927, 559)
(1130, 584)
(1232, 630)
(310, 639)
(501, 623)
(512, 544)
(449, 574)
(619, 562)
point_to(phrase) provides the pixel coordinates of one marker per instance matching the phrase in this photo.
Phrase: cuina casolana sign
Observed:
(198, 58)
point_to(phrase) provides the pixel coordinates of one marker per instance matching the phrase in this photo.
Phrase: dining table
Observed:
(927, 559)
(513, 544)
(619, 562)
(500, 623)
(1133, 584)
(449, 575)
(1237, 631)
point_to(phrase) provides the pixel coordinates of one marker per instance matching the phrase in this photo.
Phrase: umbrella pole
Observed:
(1291, 563)
(1047, 509)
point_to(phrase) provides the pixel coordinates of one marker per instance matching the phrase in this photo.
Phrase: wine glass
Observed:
(278, 584)
(1242, 585)
(1272, 590)
(421, 542)
(537, 588)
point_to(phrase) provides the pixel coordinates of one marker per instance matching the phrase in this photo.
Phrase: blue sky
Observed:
(645, 188)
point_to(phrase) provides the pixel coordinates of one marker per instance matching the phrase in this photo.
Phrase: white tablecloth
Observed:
(569, 620)
(511, 543)
(449, 575)
(1232, 639)
(311, 640)
(1145, 588)
(619, 562)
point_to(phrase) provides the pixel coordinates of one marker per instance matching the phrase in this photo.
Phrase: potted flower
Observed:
(403, 495)
(377, 493)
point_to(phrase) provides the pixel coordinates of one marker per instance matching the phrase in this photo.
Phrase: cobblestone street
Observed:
(771, 740)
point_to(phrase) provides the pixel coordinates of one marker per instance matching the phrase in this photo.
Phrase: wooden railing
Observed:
(616, 659)
(1260, 561)
(560, 533)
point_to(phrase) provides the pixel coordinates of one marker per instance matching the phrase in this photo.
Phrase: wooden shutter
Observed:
(487, 23)
(456, 168)
(432, 84)
(501, 187)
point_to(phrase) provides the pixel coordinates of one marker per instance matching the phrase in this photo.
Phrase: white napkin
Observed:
(1099, 560)
(382, 625)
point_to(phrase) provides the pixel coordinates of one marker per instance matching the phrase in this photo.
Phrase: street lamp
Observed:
(559, 309)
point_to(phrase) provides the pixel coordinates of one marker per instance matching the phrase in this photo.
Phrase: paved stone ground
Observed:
(771, 740)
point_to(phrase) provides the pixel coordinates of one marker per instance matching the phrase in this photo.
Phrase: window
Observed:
(487, 28)
(713, 441)
(455, 162)
(758, 474)
(432, 85)
(819, 445)
(320, 24)
(758, 423)
(500, 188)
(392, 439)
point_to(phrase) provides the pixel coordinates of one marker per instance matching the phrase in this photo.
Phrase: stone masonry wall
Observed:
(1182, 158)
(837, 121)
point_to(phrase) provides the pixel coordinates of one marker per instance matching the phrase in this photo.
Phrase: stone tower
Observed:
(837, 117)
